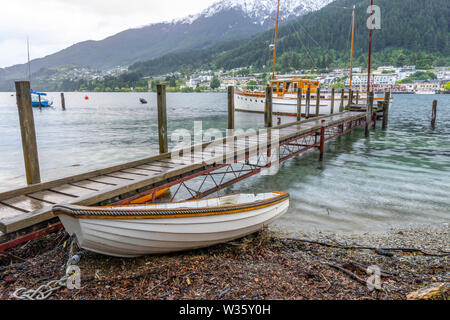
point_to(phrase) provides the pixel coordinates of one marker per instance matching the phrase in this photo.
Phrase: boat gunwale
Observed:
(129, 212)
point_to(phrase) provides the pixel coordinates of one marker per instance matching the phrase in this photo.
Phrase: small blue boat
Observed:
(38, 99)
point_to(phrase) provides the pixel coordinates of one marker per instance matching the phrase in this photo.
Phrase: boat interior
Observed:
(228, 200)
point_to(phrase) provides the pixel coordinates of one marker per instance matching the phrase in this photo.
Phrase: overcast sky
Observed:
(53, 25)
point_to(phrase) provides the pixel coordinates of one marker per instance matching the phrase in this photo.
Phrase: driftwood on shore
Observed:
(434, 290)
(381, 251)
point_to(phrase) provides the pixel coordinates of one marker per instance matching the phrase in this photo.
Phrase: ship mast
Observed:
(275, 48)
(351, 55)
(370, 51)
(28, 52)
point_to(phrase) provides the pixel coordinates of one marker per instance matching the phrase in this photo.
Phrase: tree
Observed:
(172, 81)
(215, 83)
(251, 85)
(401, 60)
(338, 85)
(419, 75)
(447, 86)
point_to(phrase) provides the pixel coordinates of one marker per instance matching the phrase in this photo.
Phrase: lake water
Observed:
(397, 177)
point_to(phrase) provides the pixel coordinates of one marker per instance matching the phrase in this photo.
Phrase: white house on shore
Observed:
(379, 79)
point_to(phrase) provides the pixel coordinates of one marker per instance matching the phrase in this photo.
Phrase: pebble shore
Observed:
(265, 265)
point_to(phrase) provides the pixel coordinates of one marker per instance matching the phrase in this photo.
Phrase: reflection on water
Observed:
(395, 177)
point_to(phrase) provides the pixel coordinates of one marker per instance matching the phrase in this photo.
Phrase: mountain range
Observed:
(223, 21)
(412, 32)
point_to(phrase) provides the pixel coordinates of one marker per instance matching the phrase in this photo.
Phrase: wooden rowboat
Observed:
(134, 230)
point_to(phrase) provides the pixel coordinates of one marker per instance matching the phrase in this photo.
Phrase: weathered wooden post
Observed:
(268, 108)
(322, 140)
(63, 102)
(374, 117)
(308, 102)
(341, 106)
(231, 107)
(387, 97)
(384, 121)
(299, 104)
(350, 99)
(162, 118)
(29, 145)
(317, 102)
(357, 96)
(40, 104)
(433, 113)
(369, 113)
(332, 101)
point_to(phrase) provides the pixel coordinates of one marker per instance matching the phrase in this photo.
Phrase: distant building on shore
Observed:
(381, 80)
(427, 85)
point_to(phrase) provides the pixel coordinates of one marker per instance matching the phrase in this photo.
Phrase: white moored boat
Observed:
(134, 230)
(284, 99)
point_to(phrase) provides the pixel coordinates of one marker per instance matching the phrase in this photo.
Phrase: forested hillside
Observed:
(412, 32)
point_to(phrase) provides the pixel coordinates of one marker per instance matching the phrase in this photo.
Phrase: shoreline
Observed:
(265, 265)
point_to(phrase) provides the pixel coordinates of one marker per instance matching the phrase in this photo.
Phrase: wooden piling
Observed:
(317, 102)
(374, 117)
(162, 118)
(341, 106)
(350, 98)
(433, 113)
(40, 103)
(268, 108)
(231, 107)
(384, 121)
(308, 102)
(27, 129)
(332, 101)
(322, 140)
(387, 97)
(299, 104)
(357, 96)
(63, 102)
(369, 113)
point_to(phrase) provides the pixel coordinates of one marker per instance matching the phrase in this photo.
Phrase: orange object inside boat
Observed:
(149, 197)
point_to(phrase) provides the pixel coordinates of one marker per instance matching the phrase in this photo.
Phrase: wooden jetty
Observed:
(230, 160)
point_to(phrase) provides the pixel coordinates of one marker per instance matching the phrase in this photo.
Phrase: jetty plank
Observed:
(138, 171)
(7, 212)
(96, 186)
(123, 175)
(50, 196)
(25, 203)
(109, 180)
(155, 168)
(71, 190)
(165, 163)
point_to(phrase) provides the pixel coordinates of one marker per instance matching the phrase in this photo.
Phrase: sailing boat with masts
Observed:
(285, 90)
(38, 99)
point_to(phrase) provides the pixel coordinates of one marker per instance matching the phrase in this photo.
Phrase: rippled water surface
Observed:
(396, 177)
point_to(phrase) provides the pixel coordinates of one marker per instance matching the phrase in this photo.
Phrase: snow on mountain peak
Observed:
(260, 11)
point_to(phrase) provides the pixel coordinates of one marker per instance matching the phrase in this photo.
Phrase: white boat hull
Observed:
(287, 105)
(135, 237)
(425, 92)
(280, 106)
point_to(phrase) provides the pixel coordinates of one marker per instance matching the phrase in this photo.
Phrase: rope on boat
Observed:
(163, 212)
